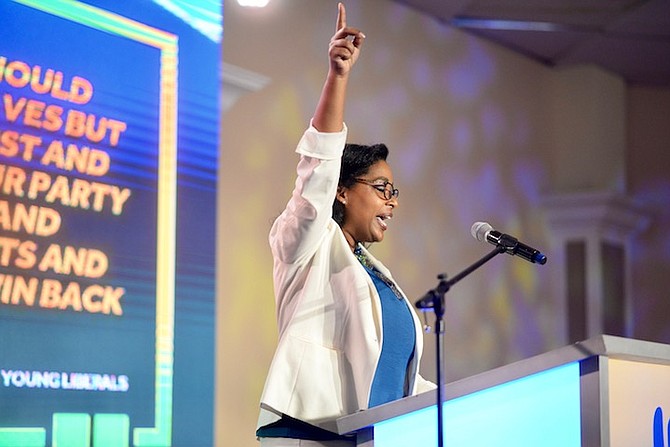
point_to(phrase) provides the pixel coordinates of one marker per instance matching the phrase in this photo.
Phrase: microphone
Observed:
(482, 231)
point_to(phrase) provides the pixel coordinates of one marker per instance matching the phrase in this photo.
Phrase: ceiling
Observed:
(628, 37)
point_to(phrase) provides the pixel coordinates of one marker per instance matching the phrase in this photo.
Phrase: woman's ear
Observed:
(342, 193)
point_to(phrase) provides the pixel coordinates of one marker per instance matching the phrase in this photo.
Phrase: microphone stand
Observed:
(435, 299)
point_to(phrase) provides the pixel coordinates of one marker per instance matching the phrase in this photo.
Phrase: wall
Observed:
(648, 174)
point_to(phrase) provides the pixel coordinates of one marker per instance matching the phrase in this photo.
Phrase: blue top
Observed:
(398, 343)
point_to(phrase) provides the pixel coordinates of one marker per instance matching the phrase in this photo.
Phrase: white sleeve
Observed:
(298, 230)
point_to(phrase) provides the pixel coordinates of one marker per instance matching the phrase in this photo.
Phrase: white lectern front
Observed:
(605, 391)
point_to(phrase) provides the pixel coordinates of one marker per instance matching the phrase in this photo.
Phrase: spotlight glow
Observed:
(254, 3)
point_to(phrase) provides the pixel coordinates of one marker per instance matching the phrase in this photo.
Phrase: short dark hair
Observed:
(356, 162)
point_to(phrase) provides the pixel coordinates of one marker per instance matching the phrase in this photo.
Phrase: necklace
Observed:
(365, 261)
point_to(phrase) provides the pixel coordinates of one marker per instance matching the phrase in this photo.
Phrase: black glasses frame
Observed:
(383, 188)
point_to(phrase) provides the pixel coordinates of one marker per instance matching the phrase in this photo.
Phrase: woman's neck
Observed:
(350, 240)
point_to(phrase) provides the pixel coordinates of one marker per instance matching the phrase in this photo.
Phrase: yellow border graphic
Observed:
(161, 433)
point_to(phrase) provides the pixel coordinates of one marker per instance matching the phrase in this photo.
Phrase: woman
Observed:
(348, 337)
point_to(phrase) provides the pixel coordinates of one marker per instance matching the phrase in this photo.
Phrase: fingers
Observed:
(341, 17)
(359, 37)
(348, 37)
(344, 48)
(342, 32)
(345, 44)
(341, 52)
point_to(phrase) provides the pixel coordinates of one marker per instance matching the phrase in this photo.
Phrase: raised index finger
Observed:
(341, 17)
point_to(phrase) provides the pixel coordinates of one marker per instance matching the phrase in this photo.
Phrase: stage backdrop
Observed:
(108, 153)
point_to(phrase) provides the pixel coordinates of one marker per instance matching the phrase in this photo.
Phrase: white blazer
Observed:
(328, 309)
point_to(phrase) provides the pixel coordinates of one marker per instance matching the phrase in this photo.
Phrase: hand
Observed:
(345, 45)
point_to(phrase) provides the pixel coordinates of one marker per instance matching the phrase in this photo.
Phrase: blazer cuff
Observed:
(322, 145)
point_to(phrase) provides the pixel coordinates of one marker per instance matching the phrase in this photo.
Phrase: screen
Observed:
(108, 156)
(539, 409)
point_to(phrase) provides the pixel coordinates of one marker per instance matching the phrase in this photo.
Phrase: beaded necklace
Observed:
(365, 261)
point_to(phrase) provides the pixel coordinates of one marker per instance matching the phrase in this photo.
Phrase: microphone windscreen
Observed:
(479, 230)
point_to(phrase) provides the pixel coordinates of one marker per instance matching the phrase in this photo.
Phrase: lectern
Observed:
(604, 391)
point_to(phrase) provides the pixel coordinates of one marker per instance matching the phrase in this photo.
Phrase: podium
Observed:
(604, 391)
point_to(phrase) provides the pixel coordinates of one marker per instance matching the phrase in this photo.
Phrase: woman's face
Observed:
(367, 212)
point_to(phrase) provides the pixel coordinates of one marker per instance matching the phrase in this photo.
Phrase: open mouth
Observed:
(383, 220)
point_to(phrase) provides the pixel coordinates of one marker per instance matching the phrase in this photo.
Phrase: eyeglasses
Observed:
(385, 188)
